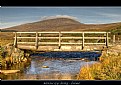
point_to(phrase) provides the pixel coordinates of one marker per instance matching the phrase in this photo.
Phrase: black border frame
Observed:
(60, 3)
(56, 3)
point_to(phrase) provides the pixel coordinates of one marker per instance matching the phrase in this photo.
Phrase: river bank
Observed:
(10, 56)
(48, 68)
(109, 67)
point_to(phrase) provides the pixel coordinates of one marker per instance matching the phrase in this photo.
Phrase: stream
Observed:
(53, 66)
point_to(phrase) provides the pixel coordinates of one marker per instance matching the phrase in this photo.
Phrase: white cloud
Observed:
(58, 16)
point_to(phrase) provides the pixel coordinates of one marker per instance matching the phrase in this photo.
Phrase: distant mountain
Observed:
(57, 24)
(62, 24)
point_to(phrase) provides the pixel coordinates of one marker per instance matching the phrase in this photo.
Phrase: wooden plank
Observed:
(64, 37)
(15, 40)
(25, 32)
(95, 43)
(38, 37)
(71, 37)
(48, 43)
(66, 32)
(54, 43)
(36, 40)
(48, 32)
(107, 39)
(114, 38)
(63, 32)
(81, 43)
(70, 43)
(49, 37)
(82, 40)
(26, 37)
(83, 32)
(26, 42)
(59, 40)
(96, 38)
(95, 32)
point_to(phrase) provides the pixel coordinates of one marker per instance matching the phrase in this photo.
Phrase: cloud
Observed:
(58, 16)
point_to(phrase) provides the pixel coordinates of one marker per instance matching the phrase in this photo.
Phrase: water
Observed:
(60, 66)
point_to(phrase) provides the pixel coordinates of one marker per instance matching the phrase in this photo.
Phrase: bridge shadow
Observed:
(91, 56)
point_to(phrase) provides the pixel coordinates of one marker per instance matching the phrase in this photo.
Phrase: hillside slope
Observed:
(63, 24)
(57, 24)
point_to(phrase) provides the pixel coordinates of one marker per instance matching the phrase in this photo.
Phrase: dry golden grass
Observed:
(5, 38)
(4, 42)
(109, 68)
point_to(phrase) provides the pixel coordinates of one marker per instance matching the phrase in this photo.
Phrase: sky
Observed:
(12, 16)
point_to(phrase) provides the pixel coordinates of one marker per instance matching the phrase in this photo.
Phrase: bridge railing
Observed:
(61, 38)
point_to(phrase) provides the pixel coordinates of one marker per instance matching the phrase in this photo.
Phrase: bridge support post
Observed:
(113, 38)
(82, 40)
(59, 40)
(107, 42)
(36, 40)
(15, 40)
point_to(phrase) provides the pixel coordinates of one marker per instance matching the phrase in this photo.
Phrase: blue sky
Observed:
(12, 16)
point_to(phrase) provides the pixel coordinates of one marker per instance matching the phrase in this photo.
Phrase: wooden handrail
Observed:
(64, 32)
(38, 37)
(63, 37)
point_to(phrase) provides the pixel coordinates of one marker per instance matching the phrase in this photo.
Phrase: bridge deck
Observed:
(63, 48)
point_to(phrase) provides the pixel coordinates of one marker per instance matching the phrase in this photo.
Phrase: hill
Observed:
(63, 24)
(57, 24)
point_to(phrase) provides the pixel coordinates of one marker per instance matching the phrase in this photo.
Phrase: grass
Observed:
(4, 42)
(116, 31)
(5, 38)
(109, 68)
(2, 56)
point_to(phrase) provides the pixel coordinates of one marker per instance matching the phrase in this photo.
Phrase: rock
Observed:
(85, 59)
(24, 60)
(45, 66)
(71, 60)
(8, 71)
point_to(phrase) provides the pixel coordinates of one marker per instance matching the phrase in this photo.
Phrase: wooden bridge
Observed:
(61, 41)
